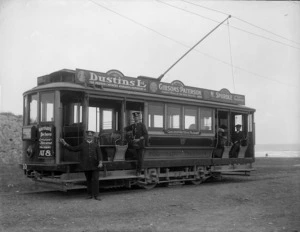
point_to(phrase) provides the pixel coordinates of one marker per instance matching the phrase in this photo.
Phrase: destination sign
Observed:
(115, 79)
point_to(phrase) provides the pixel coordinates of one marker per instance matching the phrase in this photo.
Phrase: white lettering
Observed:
(168, 88)
(46, 128)
(140, 83)
(93, 77)
(224, 96)
(124, 82)
(46, 134)
(101, 78)
(110, 80)
(116, 81)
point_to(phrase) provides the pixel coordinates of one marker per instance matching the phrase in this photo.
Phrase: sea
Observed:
(277, 150)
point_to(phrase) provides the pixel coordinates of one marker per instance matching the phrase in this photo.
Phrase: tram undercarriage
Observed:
(147, 179)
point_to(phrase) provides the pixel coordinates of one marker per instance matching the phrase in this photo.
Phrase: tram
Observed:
(182, 123)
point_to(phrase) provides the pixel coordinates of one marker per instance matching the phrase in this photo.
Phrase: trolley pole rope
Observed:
(162, 75)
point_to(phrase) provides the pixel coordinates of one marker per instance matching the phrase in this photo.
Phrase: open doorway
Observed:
(134, 107)
(222, 121)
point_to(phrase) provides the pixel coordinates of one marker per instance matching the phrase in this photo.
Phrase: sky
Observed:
(255, 53)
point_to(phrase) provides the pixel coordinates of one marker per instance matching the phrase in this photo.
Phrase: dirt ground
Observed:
(268, 200)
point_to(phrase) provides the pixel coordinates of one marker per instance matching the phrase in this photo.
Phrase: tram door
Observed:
(72, 123)
(134, 107)
(104, 118)
(239, 119)
(246, 122)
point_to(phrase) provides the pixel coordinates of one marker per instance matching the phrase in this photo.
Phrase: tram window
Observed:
(250, 126)
(77, 111)
(238, 119)
(33, 108)
(107, 120)
(190, 118)
(206, 121)
(156, 116)
(174, 113)
(47, 107)
(94, 119)
(25, 110)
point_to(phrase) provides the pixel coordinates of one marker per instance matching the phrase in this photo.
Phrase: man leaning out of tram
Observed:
(219, 143)
(139, 138)
(237, 138)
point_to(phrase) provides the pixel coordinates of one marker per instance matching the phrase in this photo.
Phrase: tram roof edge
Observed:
(114, 79)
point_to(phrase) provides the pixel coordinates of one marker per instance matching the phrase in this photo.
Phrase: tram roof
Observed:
(114, 82)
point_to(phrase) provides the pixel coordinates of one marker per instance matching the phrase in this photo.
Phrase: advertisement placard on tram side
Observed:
(46, 135)
(176, 88)
(116, 79)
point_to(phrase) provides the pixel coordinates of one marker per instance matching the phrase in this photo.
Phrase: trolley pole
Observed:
(162, 75)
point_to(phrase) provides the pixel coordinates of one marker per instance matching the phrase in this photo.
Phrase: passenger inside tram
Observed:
(219, 143)
(238, 138)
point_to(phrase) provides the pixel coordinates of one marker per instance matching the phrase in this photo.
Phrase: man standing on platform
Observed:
(140, 137)
(236, 139)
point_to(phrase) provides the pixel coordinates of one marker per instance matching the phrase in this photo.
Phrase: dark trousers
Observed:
(92, 181)
(218, 152)
(140, 159)
(234, 151)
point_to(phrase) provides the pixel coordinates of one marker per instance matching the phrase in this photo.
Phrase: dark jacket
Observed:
(219, 141)
(90, 155)
(138, 130)
(237, 136)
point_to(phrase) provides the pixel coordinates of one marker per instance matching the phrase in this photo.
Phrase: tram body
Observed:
(181, 121)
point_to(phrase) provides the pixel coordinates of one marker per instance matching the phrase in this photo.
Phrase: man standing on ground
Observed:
(90, 161)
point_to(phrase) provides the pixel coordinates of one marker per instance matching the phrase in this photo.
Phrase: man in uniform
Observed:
(90, 161)
(140, 137)
(236, 139)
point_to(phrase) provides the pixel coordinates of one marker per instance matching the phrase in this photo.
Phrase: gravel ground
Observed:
(268, 200)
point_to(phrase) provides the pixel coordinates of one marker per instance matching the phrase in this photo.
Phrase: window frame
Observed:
(30, 107)
(182, 120)
(212, 110)
(151, 116)
(196, 108)
(113, 120)
(43, 111)
(180, 117)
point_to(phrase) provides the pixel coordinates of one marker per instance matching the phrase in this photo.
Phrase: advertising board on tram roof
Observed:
(115, 79)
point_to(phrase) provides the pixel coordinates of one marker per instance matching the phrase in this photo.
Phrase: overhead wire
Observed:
(134, 21)
(178, 42)
(237, 28)
(267, 30)
(230, 52)
(244, 21)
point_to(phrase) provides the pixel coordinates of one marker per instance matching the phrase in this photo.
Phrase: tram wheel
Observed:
(166, 184)
(148, 186)
(196, 182)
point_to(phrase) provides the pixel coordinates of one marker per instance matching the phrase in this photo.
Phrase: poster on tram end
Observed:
(46, 135)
